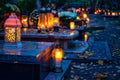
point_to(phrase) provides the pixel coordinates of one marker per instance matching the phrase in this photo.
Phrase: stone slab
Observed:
(78, 47)
(31, 52)
(99, 49)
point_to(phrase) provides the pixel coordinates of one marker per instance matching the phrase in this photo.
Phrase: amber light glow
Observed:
(25, 30)
(87, 20)
(108, 13)
(84, 15)
(72, 33)
(72, 25)
(78, 18)
(42, 21)
(24, 21)
(56, 21)
(58, 56)
(85, 37)
(113, 13)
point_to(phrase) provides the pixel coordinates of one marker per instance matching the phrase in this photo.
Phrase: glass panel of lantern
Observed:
(50, 18)
(42, 19)
(12, 28)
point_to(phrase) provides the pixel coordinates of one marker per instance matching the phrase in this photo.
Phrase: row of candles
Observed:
(107, 12)
(112, 13)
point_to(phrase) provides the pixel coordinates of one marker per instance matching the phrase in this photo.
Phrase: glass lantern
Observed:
(42, 19)
(24, 20)
(72, 25)
(85, 37)
(12, 28)
(50, 19)
(57, 55)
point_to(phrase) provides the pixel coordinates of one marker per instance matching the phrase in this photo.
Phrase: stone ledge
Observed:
(59, 76)
(99, 49)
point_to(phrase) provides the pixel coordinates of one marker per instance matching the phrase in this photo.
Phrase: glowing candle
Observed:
(113, 13)
(108, 13)
(56, 21)
(84, 15)
(57, 55)
(85, 37)
(58, 58)
(72, 25)
(25, 30)
(24, 21)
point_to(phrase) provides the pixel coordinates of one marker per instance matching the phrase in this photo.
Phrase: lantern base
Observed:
(58, 70)
(16, 45)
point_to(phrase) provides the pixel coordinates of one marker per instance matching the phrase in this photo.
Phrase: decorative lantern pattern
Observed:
(12, 29)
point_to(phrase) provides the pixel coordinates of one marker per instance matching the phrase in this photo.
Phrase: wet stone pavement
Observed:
(100, 69)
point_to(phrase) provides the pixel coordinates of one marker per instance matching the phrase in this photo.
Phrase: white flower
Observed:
(69, 14)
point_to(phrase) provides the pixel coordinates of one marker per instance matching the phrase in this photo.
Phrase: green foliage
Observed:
(65, 20)
(27, 5)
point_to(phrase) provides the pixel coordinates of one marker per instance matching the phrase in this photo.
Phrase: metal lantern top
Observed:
(12, 21)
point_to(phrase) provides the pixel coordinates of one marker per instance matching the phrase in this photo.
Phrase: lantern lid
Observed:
(12, 21)
(43, 10)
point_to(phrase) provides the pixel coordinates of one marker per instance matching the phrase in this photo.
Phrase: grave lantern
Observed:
(85, 37)
(57, 55)
(113, 14)
(72, 25)
(42, 19)
(50, 19)
(56, 23)
(12, 28)
(108, 13)
(87, 20)
(24, 21)
(84, 15)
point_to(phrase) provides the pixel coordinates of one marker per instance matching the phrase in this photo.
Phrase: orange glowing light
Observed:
(95, 12)
(85, 37)
(113, 13)
(58, 55)
(72, 25)
(84, 15)
(87, 20)
(72, 33)
(25, 30)
(56, 21)
(25, 21)
(108, 13)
